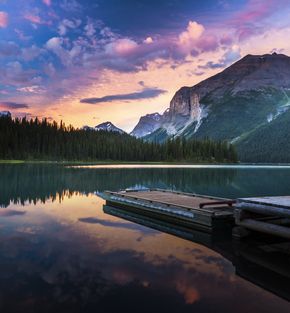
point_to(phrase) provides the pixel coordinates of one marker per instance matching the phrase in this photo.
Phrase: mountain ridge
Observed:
(231, 105)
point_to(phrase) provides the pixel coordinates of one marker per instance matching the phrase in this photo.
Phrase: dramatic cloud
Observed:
(67, 56)
(3, 19)
(146, 93)
(53, 53)
(12, 105)
(128, 55)
(188, 38)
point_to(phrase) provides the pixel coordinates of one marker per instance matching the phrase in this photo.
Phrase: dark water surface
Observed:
(60, 252)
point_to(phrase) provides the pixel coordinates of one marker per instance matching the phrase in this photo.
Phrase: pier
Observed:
(243, 216)
(197, 211)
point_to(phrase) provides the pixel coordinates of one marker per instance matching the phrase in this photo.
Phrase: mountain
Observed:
(240, 104)
(107, 126)
(5, 114)
(146, 125)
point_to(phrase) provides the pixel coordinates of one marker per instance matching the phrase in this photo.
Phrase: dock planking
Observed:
(190, 210)
(269, 215)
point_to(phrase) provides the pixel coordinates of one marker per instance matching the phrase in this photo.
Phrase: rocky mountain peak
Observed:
(5, 114)
(253, 90)
(147, 124)
(109, 126)
(106, 126)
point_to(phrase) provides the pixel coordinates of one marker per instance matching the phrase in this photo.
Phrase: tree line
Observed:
(36, 139)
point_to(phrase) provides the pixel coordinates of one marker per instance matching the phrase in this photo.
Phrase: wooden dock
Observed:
(269, 215)
(184, 209)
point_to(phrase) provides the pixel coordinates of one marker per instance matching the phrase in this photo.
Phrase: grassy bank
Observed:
(104, 162)
(11, 161)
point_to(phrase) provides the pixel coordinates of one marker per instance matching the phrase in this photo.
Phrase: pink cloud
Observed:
(3, 19)
(247, 21)
(246, 32)
(121, 47)
(33, 18)
(125, 54)
(207, 43)
(47, 2)
(226, 39)
(188, 38)
(254, 11)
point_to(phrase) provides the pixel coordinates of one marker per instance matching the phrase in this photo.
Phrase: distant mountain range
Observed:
(5, 114)
(246, 104)
(107, 126)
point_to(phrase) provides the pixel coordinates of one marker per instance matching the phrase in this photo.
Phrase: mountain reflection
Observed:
(20, 183)
(62, 251)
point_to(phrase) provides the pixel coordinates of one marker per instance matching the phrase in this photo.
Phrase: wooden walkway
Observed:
(198, 211)
(270, 215)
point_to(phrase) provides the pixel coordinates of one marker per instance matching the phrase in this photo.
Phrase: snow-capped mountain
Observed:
(107, 126)
(5, 114)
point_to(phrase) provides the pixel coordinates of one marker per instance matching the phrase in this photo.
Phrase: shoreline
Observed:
(99, 164)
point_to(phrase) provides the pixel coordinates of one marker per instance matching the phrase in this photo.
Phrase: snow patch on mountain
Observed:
(282, 109)
(107, 126)
(5, 114)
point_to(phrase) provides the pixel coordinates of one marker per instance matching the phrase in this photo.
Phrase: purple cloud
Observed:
(15, 75)
(146, 93)
(47, 2)
(13, 105)
(8, 48)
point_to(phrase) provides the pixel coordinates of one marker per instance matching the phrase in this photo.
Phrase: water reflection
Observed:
(60, 252)
(27, 182)
(258, 260)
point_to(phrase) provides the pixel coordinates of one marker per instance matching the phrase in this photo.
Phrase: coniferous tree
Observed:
(35, 139)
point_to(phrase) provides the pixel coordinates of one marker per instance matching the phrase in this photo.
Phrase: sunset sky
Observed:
(86, 62)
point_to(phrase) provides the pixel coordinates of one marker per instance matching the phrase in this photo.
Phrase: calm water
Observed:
(60, 252)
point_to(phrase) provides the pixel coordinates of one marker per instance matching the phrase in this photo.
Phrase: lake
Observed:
(60, 251)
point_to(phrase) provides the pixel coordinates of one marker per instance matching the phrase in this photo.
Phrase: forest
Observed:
(35, 139)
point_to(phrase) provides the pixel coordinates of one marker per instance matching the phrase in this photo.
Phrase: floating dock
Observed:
(269, 215)
(189, 210)
(266, 215)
